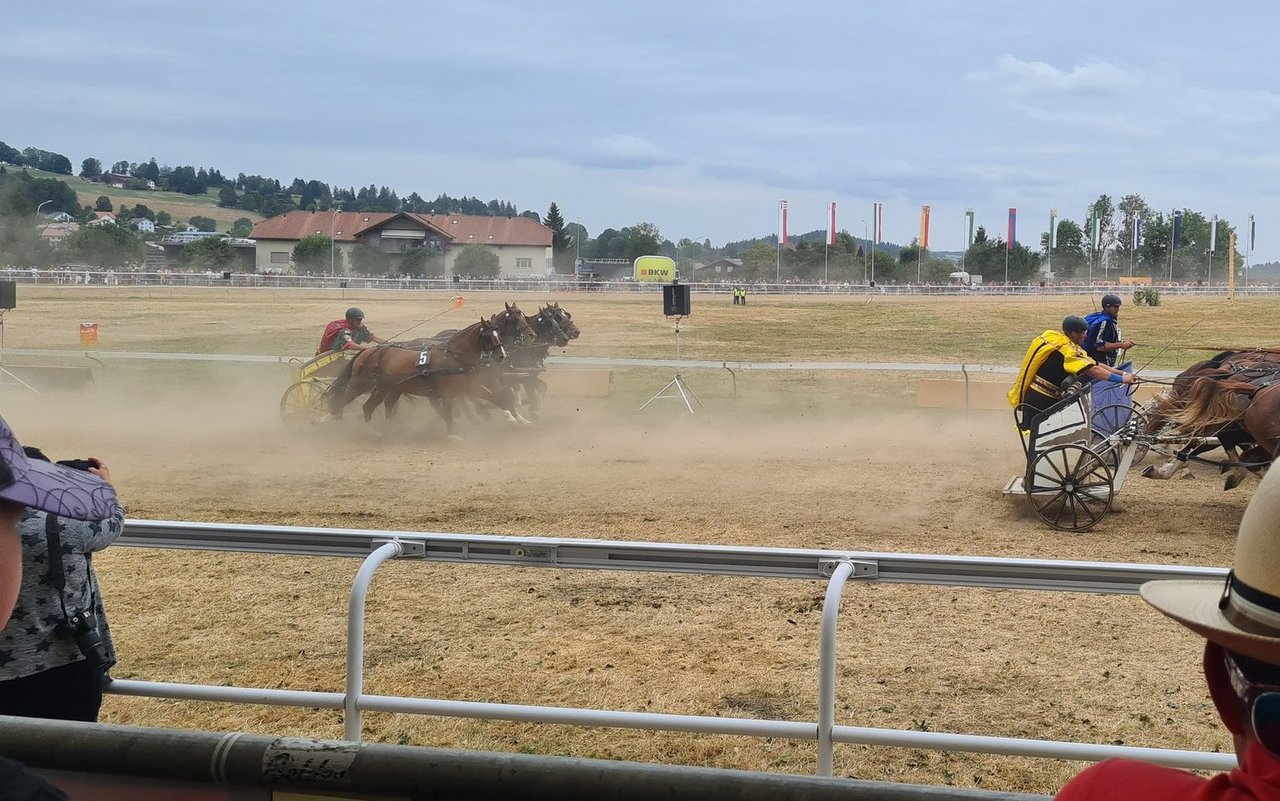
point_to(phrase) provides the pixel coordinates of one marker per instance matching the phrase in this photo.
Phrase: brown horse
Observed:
(553, 326)
(1250, 402)
(443, 372)
(1232, 437)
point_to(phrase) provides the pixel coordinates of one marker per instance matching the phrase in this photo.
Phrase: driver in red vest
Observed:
(348, 333)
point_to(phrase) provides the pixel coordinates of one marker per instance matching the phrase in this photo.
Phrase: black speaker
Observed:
(675, 300)
(8, 295)
(226, 275)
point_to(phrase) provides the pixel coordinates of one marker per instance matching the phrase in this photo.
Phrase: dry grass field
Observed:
(803, 459)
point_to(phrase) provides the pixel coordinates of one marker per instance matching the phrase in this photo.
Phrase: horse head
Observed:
(548, 328)
(564, 319)
(513, 326)
(489, 340)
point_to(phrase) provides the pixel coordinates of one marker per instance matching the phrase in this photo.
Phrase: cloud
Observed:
(1038, 79)
(624, 152)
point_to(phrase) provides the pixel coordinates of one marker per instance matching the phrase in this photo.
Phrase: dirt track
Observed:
(832, 474)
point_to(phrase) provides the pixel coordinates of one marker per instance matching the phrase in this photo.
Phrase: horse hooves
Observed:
(1149, 471)
(1232, 482)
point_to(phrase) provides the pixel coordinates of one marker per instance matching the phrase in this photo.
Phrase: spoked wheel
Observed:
(1111, 418)
(303, 402)
(1070, 487)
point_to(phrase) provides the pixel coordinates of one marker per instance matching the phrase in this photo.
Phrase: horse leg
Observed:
(536, 388)
(390, 404)
(445, 408)
(376, 397)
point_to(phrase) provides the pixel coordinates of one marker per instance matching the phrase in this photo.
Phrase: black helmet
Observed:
(354, 314)
(1074, 324)
(1110, 300)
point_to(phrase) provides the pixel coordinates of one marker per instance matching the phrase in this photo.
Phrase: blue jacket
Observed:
(1103, 328)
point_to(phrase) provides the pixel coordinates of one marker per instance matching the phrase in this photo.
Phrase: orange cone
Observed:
(458, 302)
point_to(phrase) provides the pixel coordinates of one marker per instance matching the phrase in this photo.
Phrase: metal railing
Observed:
(834, 567)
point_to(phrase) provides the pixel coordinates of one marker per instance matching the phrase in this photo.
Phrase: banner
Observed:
(782, 222)
(924, 227)
(655, 268)
(1213, 234)
(1053, 228)
(1137, 233)
(968, 228)
(1013, 229)
(1177, 230)
(1252, 230)
(877, 232)
(1095, 231)
(831, 223)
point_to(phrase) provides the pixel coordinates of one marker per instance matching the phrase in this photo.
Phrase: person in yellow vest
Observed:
(1051, 358)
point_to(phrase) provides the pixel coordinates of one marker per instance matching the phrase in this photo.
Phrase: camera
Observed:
(83, 626)
(77, 464)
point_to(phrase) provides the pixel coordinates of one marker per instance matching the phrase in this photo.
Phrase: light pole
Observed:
(865, 240)
(333, 223)
(577, 247)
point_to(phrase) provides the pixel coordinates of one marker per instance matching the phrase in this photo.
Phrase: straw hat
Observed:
(1242, 615)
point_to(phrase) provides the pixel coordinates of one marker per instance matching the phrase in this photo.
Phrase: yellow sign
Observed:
(655, 268)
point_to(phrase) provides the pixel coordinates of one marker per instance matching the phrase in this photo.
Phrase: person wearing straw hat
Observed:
(1240, 621)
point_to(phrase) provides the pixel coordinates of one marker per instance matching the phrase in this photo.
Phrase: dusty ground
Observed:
(804, 460)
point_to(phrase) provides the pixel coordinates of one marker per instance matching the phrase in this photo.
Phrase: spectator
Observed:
(43, 671)
(55, 490)
(1241, 625)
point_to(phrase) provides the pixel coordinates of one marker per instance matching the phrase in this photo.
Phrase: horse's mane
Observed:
(1211, 404)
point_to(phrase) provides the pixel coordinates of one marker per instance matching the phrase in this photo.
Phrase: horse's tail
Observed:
(1211, 404)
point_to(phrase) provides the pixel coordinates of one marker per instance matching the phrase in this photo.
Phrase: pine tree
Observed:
(562, 244)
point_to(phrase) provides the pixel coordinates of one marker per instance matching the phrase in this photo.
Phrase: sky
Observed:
(696, 116)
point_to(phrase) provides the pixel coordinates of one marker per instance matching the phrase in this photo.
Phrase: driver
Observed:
(349, 333)
(1051, 358)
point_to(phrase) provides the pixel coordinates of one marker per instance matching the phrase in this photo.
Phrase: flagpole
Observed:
(825, 247)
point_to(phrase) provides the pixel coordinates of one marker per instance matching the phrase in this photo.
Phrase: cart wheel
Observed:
(1114, 417)
(303, 402)
(1069, 486)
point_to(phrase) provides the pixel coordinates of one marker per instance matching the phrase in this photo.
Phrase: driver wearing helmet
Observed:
(349, 333)
(1103, 339)
(1051, 359)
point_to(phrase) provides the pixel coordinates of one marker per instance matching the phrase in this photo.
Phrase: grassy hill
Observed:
(181, 207)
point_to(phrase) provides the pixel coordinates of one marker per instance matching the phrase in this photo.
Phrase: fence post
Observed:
(355, 637)
(827, 665)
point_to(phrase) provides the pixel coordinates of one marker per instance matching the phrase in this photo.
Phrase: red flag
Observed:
(782, 221)
(1013, 229)
(831, 223)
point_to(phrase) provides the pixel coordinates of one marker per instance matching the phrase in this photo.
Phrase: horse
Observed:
(1232, 437)
(1239, 409)
(442, 372)
(553, 326)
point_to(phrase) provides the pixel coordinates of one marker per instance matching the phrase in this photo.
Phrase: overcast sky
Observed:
(698, 116)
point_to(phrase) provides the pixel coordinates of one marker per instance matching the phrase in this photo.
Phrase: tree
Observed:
(164, 218)
(313, 253)
(423, 261)
(211, 251)
(204, 223)
(477, 261)
(21, 243)
(227, 197)
(120, 168)
(91, 168)
(562, 245)
(104, 246)
(10, 155)
(369, 260)
(1070, 257)
(103, 203)
(141, 210)
(758, 261)
(242, 227)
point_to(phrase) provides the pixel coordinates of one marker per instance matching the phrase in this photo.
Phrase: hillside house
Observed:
(55, 232)
(523, 245)
(102, 218)
(143, 225)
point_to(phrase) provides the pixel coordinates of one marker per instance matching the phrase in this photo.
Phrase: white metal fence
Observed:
(833, 567)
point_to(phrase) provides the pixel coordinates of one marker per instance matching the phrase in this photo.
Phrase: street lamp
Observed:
(866, 238)
(41, 206)
(577, 247)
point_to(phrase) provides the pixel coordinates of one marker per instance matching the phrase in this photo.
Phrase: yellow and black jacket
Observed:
(1050, 358)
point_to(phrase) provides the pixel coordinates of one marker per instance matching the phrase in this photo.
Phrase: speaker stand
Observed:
(4, 372)
(676, 386)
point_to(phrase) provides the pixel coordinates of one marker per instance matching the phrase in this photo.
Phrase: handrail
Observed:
(377, 547)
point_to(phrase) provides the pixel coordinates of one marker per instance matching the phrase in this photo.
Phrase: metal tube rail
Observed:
(355, 636)
(827, 666)
(337, 768)
(726, 560)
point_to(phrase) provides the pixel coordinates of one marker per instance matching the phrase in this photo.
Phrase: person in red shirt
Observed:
(1241, 623)
(349, 333)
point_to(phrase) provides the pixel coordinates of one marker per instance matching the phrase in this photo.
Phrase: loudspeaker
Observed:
(226, 275)
(8, 295)
(675, 300)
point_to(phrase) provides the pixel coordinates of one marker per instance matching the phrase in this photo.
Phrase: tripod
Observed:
(681, 389)
(3, 370)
